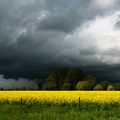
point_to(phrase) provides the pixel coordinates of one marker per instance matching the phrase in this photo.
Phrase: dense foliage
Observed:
(74, 79)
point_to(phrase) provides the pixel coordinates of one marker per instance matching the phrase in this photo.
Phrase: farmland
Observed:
(59, 105)
(61, 97)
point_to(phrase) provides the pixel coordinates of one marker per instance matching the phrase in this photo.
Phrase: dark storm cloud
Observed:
(63, 15)
(36, 35)
(67, 16)
(105, 72)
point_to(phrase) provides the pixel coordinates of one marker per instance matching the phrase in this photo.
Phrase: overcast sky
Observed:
(37, 35)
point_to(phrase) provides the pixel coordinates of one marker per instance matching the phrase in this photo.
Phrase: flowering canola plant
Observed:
(61, 97)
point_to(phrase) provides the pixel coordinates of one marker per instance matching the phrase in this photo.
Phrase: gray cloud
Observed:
(13, 84)
(36, 35)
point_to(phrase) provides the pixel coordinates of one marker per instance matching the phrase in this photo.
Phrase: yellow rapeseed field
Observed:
(60, 97)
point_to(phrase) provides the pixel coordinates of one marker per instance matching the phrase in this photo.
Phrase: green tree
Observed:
(39, 83)
(67, 86)
(104, 84)
(117, 86)
(87, 83)
(74, 76)
(111, 88)
(82, 85)
(60, 73)
(52, 82)
(91, 82)
(98, 87)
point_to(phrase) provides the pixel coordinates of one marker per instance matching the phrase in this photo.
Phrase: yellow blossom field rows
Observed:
(60, 97)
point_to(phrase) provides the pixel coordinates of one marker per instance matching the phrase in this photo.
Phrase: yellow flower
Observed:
(60, 97)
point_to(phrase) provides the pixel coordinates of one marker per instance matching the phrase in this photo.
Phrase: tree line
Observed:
(73, 79)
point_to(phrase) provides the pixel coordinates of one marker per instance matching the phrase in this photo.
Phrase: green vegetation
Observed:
(39, 83)
(98, 87)
(74, 79)
(110, 87)
(87, 83)
(55, 112)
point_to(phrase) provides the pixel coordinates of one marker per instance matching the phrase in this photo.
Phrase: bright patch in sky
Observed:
(101, 36)
(105, 3)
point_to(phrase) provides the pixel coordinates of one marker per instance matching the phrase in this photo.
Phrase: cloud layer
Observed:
(36, 35)
(19, 84)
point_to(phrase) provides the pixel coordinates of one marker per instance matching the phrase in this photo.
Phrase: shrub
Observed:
(104, 84)
(67, 86)
(87, 83)
(110, 87)
(98, 87)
